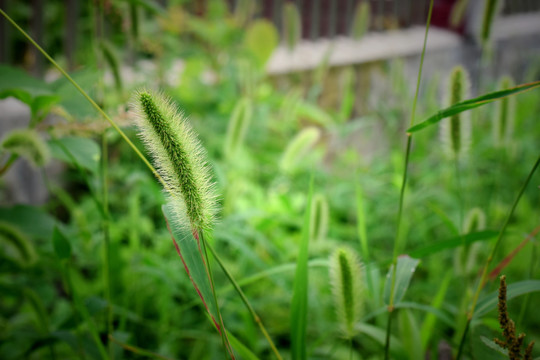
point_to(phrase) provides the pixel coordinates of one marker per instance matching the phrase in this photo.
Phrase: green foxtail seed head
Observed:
(238, 125)
(456, 131)
(360, 23)
(292, 25)
(503, 122)
(345, 280)
(319, 215)
(298, 147)
(28, 144)
(491, 8)
(178, 156)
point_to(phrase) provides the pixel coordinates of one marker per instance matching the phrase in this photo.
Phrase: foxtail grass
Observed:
(28, 144)
(456, 131)
(298, 148)
(346, 283)
(320, 216)
(504, 119)
(179, 158)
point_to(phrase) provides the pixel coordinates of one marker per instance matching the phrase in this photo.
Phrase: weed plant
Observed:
(277, 234)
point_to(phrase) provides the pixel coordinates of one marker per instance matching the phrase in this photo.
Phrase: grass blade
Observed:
(300, 299)
(472, 103)
(404, 271)
(454, 242)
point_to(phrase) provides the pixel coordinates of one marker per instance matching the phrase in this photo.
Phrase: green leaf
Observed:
(261, 39)
(61, 245)
(471, 104)
(428, 309)
(454, 242)
(404, 272)
(242, 349)
(410, 334)
(379, 335)
(188, 250)
(428, 325)
(299, 302)
(30, 220)
(78, 151)
(488, 303)
(17, 83)
(493, 345)
(72, 101)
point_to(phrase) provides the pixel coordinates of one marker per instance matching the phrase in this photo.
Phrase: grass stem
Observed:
(399, 243)
(106, 238)
(222, 330)
(246, 302)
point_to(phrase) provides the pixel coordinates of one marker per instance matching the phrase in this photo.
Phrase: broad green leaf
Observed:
(299, 304)
(30, 220)
(404, 272)
(489, 302)
(77, 151)
(454, 242)
(17, 83)
(261, 39)
(61, 244)
(73, 101)
(471, 104)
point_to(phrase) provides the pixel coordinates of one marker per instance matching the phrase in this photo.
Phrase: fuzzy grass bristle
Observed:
(178, 157)
(456, 131)
(345, 280)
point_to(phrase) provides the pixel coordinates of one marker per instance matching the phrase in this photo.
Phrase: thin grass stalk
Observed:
(106, 238)
(83, 311)
(398, 242)
(246, 302)
(483, 278)
(222, 330)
